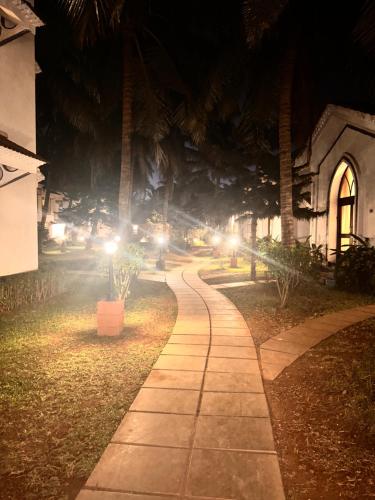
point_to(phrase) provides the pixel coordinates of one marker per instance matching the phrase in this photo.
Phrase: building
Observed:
(19, 174)
(342, 155)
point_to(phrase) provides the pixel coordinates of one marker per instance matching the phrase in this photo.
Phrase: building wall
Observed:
(350, 135)
(272, 227)
(18, 203)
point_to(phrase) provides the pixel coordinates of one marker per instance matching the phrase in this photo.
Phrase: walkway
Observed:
(199, 427)
(282, 350)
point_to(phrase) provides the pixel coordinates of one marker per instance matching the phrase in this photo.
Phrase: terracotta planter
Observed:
(215, 253)
(110, 317)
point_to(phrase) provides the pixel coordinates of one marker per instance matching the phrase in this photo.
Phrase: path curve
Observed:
(199, 427)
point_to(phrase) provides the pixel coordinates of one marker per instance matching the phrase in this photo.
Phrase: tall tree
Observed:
(94, 19)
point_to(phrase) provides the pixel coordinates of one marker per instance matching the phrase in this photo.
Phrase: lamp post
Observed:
(110, 248)
(161, 241)
(233, 244)
(216, 240)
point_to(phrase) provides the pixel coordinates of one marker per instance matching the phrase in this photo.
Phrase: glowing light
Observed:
(110, 247)
(58, 231)
(81, 238)
(234, 241)
(135, 228)
(216, 239)
(160, 239)
(117, 238)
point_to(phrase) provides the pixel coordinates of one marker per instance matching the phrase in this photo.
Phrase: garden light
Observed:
(234, 242)
(110, 247)
(216, 239)
(161, 241)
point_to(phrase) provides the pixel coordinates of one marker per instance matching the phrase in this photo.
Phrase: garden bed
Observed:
(323, 415)
(64, 390)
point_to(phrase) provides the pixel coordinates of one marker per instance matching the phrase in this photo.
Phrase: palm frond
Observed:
(259, 17)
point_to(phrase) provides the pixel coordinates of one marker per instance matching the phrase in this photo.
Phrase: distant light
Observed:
(160, 239)
(117, 238)
(234, 241)
(81, 238)
(58, 231)
(135, 228)
(216, 239)
(110, 247)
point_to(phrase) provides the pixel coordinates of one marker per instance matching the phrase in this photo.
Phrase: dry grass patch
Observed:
(323, 414)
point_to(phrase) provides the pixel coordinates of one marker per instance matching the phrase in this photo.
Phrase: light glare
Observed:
(110, 247)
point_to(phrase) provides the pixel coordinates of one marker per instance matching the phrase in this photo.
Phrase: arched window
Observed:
(342, 208)
(346, 209)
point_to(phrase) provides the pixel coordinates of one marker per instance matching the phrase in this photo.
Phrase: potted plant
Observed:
(123, 265)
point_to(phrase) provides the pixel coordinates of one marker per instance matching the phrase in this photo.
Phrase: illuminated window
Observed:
(346, 209)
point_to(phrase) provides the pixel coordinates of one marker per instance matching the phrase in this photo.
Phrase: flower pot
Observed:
(110, 317)
(215, 253)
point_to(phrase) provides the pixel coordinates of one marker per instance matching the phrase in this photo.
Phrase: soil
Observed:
(323, 414)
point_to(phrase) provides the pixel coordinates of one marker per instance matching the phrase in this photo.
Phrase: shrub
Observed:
(127, 264)
(289, 264)
(355, 267)
(30, 288)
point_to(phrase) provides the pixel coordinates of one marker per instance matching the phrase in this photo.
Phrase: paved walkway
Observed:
(282, 350)
(237, 284)
(199, 427)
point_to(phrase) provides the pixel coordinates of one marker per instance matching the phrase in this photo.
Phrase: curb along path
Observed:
(282, 350)
(199, 427)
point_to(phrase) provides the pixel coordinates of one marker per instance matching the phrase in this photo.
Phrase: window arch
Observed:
(346, 209)
(342, 207)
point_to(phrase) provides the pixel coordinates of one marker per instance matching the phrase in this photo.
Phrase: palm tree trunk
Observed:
(168, 193)
(253, 259)
(285, 144)
(126, 175)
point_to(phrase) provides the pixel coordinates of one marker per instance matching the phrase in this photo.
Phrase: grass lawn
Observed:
(64, 390)
(216, 271)
(259, 304)
(323, 414)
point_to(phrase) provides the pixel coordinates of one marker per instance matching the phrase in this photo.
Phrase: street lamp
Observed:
(216, 240)
(110, 248)
(233, 244)
(161, 241)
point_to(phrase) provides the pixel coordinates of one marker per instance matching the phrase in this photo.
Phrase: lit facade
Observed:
(342, 157)
(19, 165)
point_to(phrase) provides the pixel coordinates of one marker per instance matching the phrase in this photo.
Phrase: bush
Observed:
(127, 264)
(355, 268)
(30, 288)
(288, 265)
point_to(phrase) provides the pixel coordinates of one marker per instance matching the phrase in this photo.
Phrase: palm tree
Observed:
(259, 17)
(94, 19)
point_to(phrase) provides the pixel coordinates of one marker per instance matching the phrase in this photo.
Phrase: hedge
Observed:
(30, 288)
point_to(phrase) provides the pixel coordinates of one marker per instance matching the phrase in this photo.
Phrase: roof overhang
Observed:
(16, 162)
(17, 18)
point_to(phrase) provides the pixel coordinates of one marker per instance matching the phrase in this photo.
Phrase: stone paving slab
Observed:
(235, 475)
(174, 379)
(166, 401)
(234, 433)
(199, 428)
(159, 429)
(140, 469)
(234, 404)
(280, 351)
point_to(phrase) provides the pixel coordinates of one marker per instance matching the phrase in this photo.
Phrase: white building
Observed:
(342, 155)
(19, 164)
